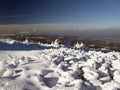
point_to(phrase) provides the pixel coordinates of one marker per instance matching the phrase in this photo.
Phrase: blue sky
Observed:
(105, 13)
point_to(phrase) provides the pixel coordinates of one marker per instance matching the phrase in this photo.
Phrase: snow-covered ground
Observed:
(26, 66)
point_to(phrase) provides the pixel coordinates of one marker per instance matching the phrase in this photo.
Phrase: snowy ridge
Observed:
(16, 45)
(58, 68)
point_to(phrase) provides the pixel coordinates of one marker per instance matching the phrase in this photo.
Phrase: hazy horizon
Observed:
(60, 30)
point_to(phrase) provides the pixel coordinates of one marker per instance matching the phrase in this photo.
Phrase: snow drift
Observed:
(54, 67)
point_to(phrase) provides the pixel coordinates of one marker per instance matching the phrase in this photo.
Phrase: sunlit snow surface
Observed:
(25, 66)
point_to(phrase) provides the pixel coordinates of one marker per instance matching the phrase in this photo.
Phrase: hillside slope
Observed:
(26, 66)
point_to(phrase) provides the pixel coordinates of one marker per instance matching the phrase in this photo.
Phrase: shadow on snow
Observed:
(22, 46)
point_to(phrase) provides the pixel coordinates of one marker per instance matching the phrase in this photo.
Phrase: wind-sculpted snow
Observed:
(13, 45)
(59, 68)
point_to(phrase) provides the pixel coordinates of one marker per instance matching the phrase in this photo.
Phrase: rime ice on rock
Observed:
(56, 44)
(26, 41)
(77, 45)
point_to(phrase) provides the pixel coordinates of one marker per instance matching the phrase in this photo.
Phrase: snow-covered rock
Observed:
(77, 45)
(54, 67)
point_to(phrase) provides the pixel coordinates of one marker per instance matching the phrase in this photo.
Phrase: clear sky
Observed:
(78, 13)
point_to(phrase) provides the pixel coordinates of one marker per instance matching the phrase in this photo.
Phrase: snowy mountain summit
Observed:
(30, 66)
